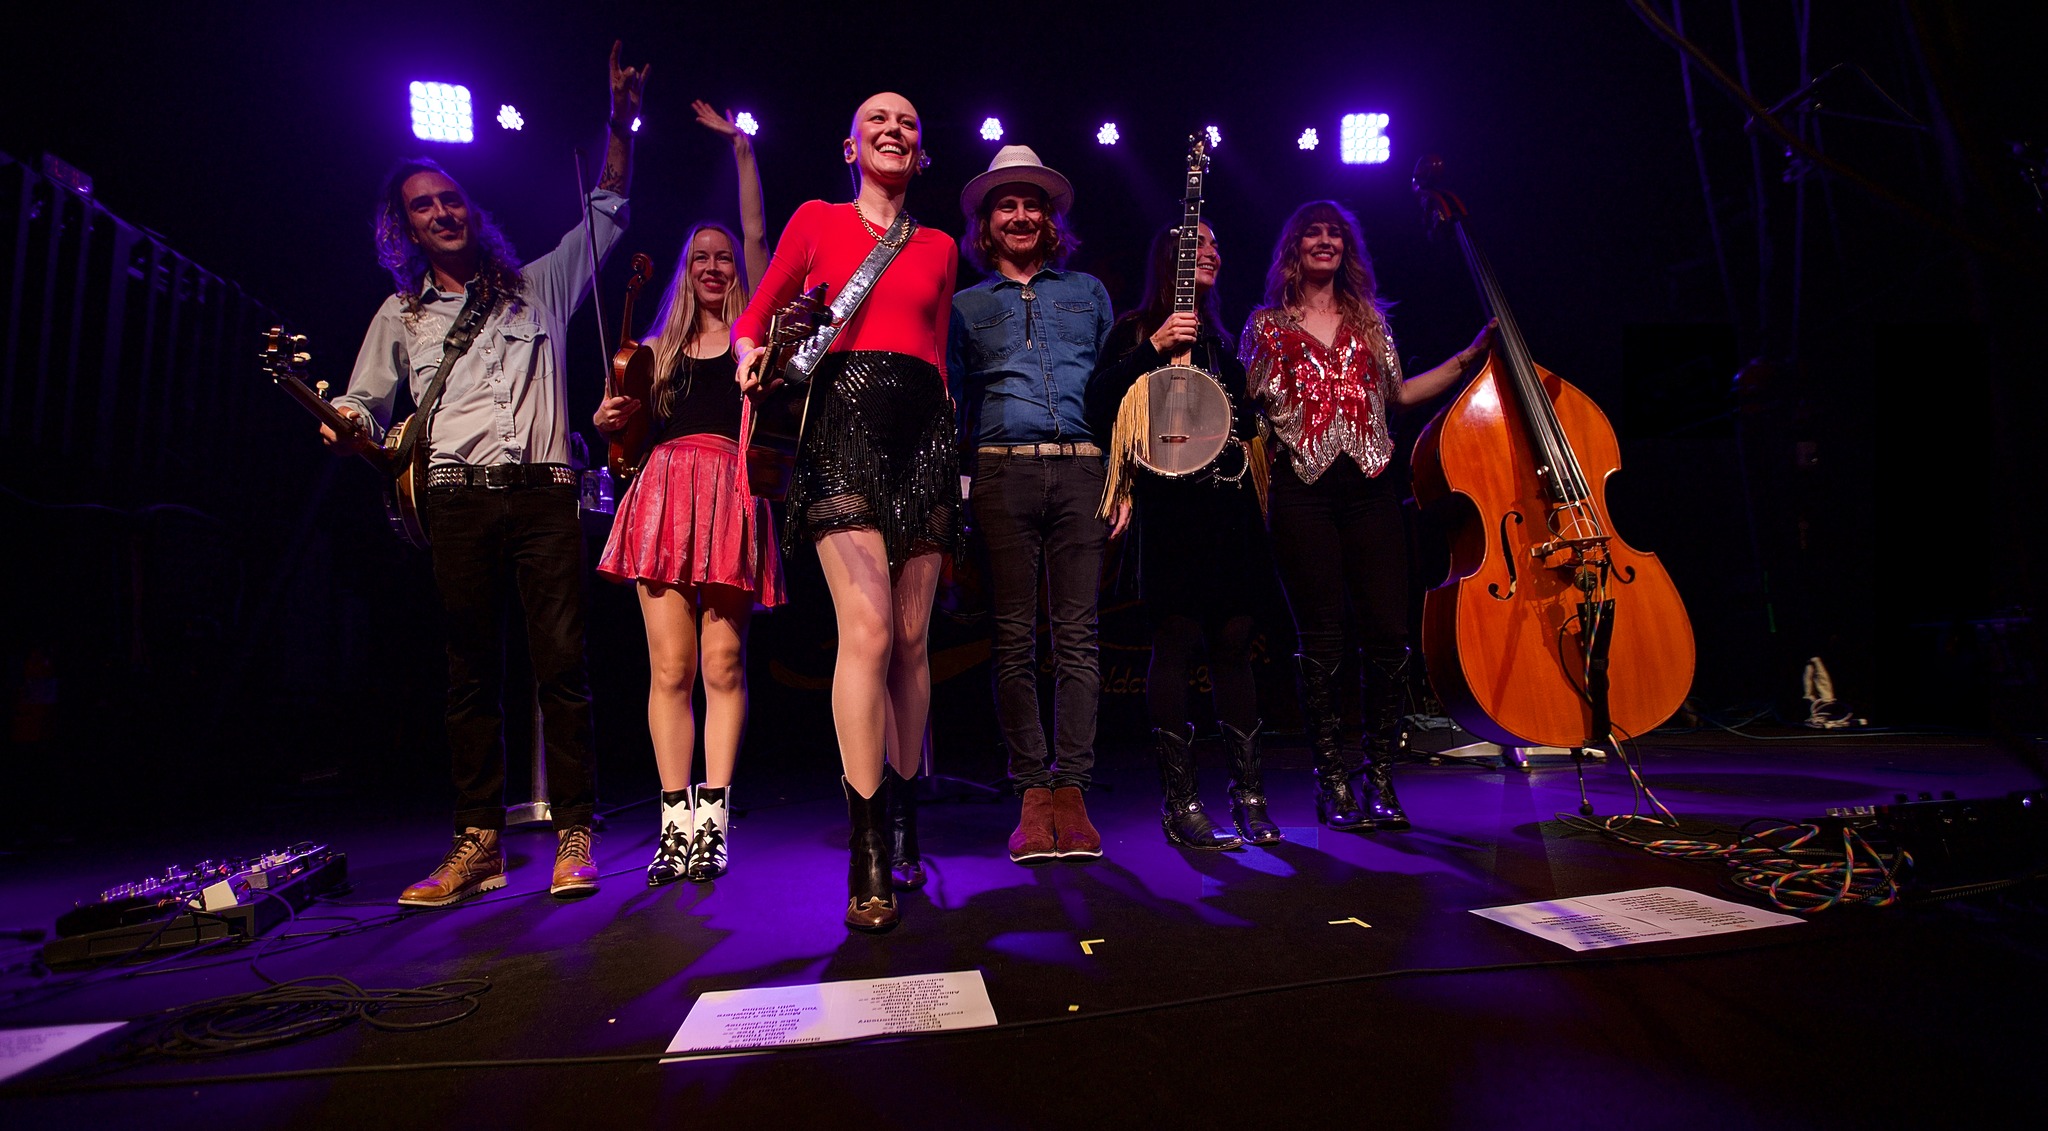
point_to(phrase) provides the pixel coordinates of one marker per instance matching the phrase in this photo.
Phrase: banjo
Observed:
(1175, 420)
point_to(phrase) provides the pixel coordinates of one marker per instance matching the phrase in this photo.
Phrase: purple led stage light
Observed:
(636, 125)
(1107, 135)
(746, 123)
(991, 129)
(508, 117)
(1364, 140)
(441, 112)
(1308, 139)
(1215, 136)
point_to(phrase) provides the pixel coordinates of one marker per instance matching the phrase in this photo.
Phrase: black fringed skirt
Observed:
(878, 453)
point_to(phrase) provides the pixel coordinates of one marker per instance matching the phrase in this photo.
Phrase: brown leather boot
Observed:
(473, 866)
(1035, 839)
(575, 868)
(1074, 834)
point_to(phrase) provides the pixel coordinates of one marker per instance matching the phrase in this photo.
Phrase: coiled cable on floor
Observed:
(304, 1007)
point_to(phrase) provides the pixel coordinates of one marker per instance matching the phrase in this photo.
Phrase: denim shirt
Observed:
(1020, 369)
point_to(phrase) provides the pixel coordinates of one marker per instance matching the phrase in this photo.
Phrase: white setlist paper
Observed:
(834, 1011)
(23, 1049)
(1595, 922)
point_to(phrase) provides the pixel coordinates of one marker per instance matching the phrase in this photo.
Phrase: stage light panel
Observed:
(441, 112)
(636, 124)
(1308, 139)
(991, 129)
(508, 117)
(1215, 136)
(1107, 135)
(1363, 140)
(746, 123)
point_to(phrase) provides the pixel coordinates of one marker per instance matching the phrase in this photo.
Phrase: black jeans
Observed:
(485, 543)
(1038, 514)
(1339, 541)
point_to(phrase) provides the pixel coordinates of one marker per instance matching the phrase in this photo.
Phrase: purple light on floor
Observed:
(747, 124)
(441, 112)
(1107, 135)
(1363, 140)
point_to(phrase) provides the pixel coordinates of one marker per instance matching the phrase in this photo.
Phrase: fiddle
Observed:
(632, 375)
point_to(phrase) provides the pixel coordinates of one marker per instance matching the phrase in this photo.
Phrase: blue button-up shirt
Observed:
(1019, 369)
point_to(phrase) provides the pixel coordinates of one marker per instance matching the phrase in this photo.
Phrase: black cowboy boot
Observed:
(1247, 795)
(1336, 806)
(1184, 821)
(1386, 711)
(905, 861)
(870, 898)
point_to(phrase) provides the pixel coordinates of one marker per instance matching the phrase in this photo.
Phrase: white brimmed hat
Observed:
(1016, 164)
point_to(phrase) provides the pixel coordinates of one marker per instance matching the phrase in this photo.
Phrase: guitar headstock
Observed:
(1198, 153)
(801, 318)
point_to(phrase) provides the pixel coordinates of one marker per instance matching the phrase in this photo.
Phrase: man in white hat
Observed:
(1023, 345)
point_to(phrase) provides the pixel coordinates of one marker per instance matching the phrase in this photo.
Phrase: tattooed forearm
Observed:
(618, 165)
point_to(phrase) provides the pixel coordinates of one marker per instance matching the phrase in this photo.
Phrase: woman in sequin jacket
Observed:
(1320, 360)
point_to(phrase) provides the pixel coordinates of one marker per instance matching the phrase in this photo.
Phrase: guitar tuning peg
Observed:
(302, 358)
(297, 340)
(320, 387)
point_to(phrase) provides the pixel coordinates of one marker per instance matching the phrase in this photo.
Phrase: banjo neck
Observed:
(1190, 235)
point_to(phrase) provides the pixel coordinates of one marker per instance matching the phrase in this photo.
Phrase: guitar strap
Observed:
(475, 309)
(850, 297)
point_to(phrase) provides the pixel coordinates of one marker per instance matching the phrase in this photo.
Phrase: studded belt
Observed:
(500, 476)
(1082, 448)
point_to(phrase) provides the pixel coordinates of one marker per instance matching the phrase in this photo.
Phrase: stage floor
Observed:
(1855, 1017)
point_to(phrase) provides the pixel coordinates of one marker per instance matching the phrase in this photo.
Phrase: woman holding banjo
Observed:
(876, 485)
(1201, 541)
(698, 546)
(1322, 363)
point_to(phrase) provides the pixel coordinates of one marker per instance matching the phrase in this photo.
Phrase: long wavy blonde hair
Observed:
(1357, 290)
(676, 319)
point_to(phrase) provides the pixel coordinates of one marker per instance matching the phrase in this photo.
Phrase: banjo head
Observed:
(1189, 421)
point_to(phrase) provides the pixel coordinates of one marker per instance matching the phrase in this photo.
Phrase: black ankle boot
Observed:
(870, 897)
(906, 863)
(1336, 806)
(1247, 794)
(1386, 717)
(1184, 821)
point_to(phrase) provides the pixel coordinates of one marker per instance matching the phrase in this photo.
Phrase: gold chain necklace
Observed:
(878, 235)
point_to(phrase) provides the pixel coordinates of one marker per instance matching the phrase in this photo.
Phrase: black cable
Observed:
(1001, 1028)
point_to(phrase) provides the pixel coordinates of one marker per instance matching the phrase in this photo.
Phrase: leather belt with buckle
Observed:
(500, 476)
(1069, 448)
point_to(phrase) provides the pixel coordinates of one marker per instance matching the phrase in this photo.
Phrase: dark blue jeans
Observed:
(1038, 515)
(487, 544)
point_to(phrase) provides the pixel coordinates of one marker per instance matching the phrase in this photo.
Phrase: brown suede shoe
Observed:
(1074, 835)
(1034, 839)
(473, 866)
(575, 870)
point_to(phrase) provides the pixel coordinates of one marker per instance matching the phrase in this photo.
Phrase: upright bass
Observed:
(1550, 630)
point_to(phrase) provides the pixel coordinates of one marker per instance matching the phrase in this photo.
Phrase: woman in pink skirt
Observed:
(689, 533)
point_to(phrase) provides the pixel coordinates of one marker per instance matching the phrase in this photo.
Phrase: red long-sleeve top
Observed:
(910, 309)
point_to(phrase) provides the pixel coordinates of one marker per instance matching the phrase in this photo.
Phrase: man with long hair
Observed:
(1024, 343)
(499, 497)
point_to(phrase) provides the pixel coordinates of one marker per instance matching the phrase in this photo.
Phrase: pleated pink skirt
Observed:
(688, 519)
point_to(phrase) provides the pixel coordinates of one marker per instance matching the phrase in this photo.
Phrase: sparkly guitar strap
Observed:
(852, 294)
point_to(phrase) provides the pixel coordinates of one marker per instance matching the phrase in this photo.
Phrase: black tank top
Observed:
(707, 398)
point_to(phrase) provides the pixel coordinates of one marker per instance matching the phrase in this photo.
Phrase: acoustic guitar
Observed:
(776, 423)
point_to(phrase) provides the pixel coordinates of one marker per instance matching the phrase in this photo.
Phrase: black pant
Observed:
(1176, 641)
(1339, 541)
(1038, 514)
(486, 542)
